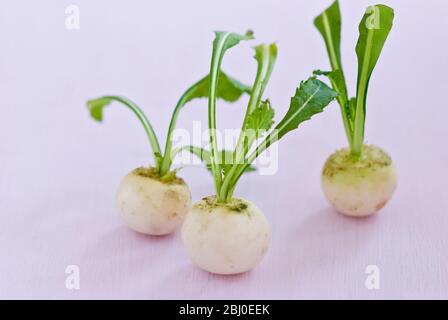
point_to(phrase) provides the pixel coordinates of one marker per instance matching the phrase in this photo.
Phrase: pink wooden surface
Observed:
(59, 170)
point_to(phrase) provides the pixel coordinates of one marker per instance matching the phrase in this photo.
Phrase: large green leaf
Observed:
(373, 32)
(310, 98)
(329, 25)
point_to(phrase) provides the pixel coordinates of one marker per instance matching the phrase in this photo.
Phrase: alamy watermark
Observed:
(72, 17)
(253, 148)
(373, 20)
(73, 279)
(373, 277)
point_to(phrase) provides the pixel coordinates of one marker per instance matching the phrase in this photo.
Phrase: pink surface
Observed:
(59, 170)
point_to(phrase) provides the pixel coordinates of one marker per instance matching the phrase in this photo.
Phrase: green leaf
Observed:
(329, 25)
(336, 78)
(229, 89)
(310, 98)
(350, 107)
(266, 56)
(373, 32)
(96, 107)
(259, 115)
(261, 119)
(225, 40)
(226, 159)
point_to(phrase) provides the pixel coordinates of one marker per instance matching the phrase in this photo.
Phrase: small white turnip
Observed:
(153, 200)
(359, 180)
(223, 234)
(225, 238)
(361, 187)
(151, 206)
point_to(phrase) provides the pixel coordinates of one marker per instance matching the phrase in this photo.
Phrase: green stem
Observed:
(336, 65)
(167, 157)
(361, 96)
(144, 121)
(267, 142)
(214, 151)
(178, 150)
(264, 70)
(228, 185)
(343, 101)
(223, 41)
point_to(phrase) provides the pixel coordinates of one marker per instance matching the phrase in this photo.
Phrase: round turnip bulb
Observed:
(359, 187)
(225, 238)
(150, 205)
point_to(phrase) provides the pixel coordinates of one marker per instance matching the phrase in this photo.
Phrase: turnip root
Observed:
(150, 205)
(361, 187)
(225, 238)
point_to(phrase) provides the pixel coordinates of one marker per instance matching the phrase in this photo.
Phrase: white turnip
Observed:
(154, 200)
(150, 205)
(225, 238)
(223, 234)
(359, 187)
(359, 180)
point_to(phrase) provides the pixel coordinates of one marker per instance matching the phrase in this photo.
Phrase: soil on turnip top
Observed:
(372, 159)
(235, 205)
(150, 172)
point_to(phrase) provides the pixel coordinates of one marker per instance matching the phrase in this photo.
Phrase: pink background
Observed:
(59, 170)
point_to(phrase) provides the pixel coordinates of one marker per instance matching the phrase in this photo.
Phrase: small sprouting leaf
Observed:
(310, 98)
(262, 118)
(96, 107)
(159, 157)
(350, 107)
